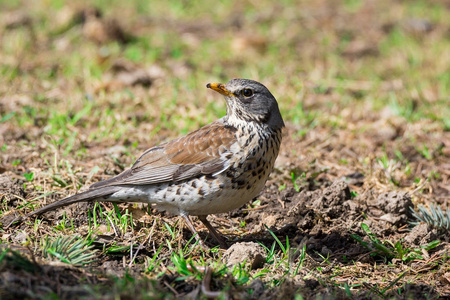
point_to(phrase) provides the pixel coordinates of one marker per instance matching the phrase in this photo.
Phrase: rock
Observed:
(249, 252)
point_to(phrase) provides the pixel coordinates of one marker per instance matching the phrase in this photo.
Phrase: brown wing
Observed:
(204, 151)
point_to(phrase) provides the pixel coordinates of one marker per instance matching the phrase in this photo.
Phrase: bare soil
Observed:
(329, 206)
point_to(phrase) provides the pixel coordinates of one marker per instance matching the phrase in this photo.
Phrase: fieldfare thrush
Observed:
(214, 169)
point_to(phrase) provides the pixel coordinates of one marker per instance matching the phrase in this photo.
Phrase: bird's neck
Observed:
(248, 127)
(231, 120)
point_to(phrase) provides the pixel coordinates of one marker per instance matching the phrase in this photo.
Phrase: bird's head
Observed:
(249, 101)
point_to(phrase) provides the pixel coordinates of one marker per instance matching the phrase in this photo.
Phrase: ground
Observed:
(364, 89)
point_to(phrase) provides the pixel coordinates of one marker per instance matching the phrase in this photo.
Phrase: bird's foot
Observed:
(217, 236)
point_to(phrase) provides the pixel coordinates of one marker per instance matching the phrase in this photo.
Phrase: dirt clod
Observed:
(324, 204)
(249, 252)
(421, 235)
(396, 206)
(10, 190)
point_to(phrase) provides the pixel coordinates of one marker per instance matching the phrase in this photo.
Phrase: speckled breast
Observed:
(243, 181)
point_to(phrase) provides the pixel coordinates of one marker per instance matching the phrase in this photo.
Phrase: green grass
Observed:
(70, 250)
(388, 249)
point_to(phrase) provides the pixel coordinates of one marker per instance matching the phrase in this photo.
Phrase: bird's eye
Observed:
(247, 92)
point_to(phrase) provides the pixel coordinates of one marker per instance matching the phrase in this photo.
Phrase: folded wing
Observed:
(188, 157)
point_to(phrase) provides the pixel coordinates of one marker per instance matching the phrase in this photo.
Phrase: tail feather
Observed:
(94, 194)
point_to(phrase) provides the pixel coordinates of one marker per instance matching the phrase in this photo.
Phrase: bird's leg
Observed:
(194, 232)
(215, 234)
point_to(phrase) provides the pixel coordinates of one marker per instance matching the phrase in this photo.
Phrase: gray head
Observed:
(250, 101)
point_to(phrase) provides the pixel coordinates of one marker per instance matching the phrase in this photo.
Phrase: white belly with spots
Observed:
(229, 190)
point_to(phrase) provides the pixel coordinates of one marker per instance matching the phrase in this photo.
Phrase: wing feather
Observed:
(202, 152)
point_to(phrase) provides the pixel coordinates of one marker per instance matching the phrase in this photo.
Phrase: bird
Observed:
(212, 170)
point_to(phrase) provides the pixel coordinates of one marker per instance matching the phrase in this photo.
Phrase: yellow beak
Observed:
(220, 88)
